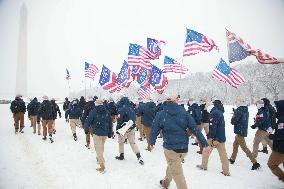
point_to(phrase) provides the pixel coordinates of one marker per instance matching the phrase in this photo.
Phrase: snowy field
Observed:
(28, 162)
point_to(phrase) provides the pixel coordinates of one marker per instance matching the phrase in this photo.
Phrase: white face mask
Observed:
(190, 102)
(259, 106)
(209, 108)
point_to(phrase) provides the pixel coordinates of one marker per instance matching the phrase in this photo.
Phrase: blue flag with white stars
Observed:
(143, 75)
(105, 76)
(134, 49)
(122, 76)
(237, 52)
(223, 67)
(156, 75)
(193, 36)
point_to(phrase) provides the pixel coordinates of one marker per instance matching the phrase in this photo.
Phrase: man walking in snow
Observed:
(46, 113)
(33, 107)
(195, 112)
(18, 108)
(56, 110)
(73, 116)
(126, 113)
(66, 104)
(216, 139)
(240, 122)
(175, 123)
(99, 120)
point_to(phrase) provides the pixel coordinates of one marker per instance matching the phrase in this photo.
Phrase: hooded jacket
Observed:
(125, 112)
(278, 136)
(240, 121)
(195, 112)
(87, 109)
(174, 122)
(33, 107)
(18, 105)
(74, 112)
(46, 110)
(216, 125)
(100, 121)
(148, 114)
(262, 120)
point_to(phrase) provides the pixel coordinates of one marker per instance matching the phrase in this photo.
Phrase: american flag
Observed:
(171, 65)
(124, 77)
(108, 80)
(143, 77)
(238, 50)
(90, 70)
(196, 43)
(68, 76)
(154, 46)
(145, 91)
(139, 56)
(224, 73)
(160, 87)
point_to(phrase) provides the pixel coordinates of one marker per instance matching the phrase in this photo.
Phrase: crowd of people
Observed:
(102, 119)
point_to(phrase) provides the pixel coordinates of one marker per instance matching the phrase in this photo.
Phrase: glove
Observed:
(59, 116)
(86, 132)
(215, 143)
(67, 120)
(109, 135)
(253, 126)
(206, 150)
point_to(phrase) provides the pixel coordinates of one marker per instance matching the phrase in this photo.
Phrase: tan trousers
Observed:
(74, 123)
(131, 139)
(202, 126)
(33, 122)
(174, 169)
(147, 131)
(273, 163)
(88, 136)
(99, 142)
(47, 123)
(140, 126)
(240, 141)
(259, 136)
(223, 157)
(19, 118)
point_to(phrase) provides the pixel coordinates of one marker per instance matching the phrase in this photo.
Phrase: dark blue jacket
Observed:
(100, 120)
(74, 112)
(262, 120)
(240, 121)
(195, 112)
(174, 122)
(46, 110)
(33, 107)
(217, 125)
(148, 114)
(87, 109)
(125, 112)
(204, 113)
(18, 105)
(66, 104)
(139, 108)
(111, 107)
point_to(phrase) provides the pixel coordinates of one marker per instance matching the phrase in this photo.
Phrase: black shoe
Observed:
(54, 131)
(75, 136)
(264, 150)
(16, 131)
(21, 130)
(87, 146)
(125, 142)
(196, 144)
(44, 138)
(255, 166)
(141, 161)
(141, 139)
(120, 157)
(51, 140)
(231, 161)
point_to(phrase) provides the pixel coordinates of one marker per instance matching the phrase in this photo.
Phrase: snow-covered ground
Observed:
(28, 162)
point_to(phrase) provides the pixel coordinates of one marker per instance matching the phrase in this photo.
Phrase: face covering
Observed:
(190, 102)
(209, 108)
(259, 106)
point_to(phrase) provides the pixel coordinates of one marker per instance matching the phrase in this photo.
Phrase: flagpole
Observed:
(181, 63)
(68, 87)
(85, 87)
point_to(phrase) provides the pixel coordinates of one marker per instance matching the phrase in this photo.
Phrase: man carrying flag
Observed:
(154, 46)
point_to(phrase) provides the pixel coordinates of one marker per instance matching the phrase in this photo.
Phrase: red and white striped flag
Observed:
(145, 91)
(160, 87)
(171, 65)
(90, 70)
(139, 56)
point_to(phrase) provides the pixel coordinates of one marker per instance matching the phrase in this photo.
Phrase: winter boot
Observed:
(75, 136)
(140, 159)
(231, 161)
(255, 166)
(44, 138)
(264, 150)
(164, 183)
(225, 174)
(50, 138)
(54, 131)
(120, 157)
(125, 141)
(101, 169)
(21, 129)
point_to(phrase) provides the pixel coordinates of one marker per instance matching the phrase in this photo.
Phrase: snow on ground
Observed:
(28, 162)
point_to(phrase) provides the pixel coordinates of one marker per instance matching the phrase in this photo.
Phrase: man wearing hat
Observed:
(277, 156)
(175, 122)
(262, 123)
(18, 108)
(73, 116)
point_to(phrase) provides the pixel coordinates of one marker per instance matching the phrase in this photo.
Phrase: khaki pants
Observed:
(240, 141)
(202, 126)
(174, 169)
(273, 163)
(88, 136)
(47, 123)
(19, 118)
(74, 123)
(223, 157)
(99, 142)
(140, 126)
(147, 131)
(259, 136)
(33, 122)
(131, 139)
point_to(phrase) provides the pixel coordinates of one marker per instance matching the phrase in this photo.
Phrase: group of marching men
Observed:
(171, 121)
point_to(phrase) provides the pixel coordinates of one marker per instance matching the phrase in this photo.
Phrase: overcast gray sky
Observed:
(66, 33)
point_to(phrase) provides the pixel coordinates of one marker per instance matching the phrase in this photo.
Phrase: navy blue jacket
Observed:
(278, 136)
(125, 112)
(148, 114)
(100, 120)
(56, 109)
(87, 109)
(111, 107)
(216, 125)
(240, 121)
(33, 107)
(262, 120)
(174, 122)
(74, 112)
(204, 113)
(66, 104)
(18, 105)
(46, 110)
(195, 112)
(139, 108)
